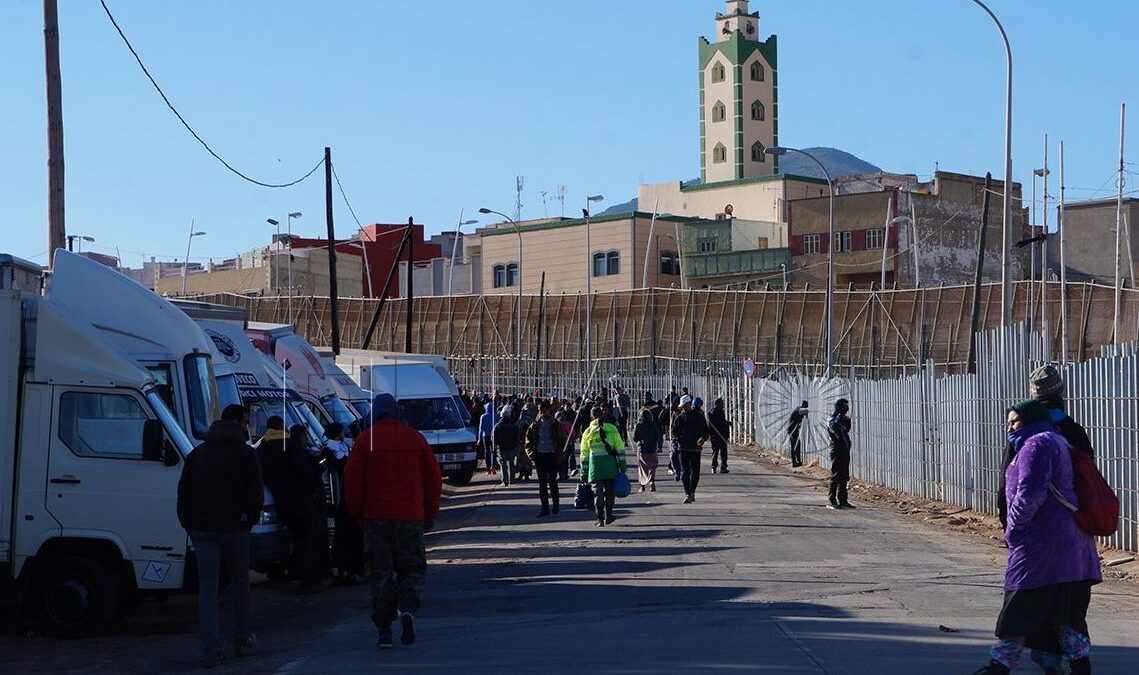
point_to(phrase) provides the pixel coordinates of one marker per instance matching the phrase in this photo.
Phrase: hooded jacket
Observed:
(220, 488)
(597, 463)
(290, 472)
(392, 473)
(690, 429)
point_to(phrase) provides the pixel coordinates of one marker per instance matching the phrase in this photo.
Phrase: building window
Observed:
(613, 263)
(842, 241)
(599, 264)
(758, 153)
(512, 274)
(706, 244)
(499, 276)
(670, 263)
(719, 154)
(756, 71)
(811, 243)
(718, 72)
(719, 112)
(758, 113)
(874, 238)
(504, 275)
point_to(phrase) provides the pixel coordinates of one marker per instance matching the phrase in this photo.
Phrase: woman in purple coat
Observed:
(1052, 563)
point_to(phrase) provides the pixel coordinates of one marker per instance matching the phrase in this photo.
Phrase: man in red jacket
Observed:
(393, 485)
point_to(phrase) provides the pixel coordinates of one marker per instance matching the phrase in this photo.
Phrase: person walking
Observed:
(794, 426)
(838, 427)
(1052, 563)
(293, 477)
(647, 436)
(602, 458)
(624, 405)
(1047, 386)
(220, 497)
(394, 486)
(347, 552)
(545, 443)
(507, 439)
(690, 432)
(720, 428)
(487, 421)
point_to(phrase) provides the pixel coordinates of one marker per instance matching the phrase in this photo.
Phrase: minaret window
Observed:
(756, 71)
(718, 73)
(757, 111)
(719, 112)
(719, 154)
(758, 153)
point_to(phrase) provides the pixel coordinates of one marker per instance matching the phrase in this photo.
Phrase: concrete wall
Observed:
(1089, 239)
(759, 199)
(254, 280)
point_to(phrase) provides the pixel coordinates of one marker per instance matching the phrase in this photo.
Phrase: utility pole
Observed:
(410, 281)
(1119, 228)
(1063, 268)
(1044, 264)
(334, 301)
(975, 316)
(56, 228)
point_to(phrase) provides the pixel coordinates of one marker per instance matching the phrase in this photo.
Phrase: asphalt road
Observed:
(755, 576)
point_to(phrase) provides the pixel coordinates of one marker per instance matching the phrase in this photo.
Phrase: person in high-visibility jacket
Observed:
(602, 459)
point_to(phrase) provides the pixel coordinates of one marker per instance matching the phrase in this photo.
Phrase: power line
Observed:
(187, 124)
(345, 197)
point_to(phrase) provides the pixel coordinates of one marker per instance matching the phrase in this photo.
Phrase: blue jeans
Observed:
(212, 550)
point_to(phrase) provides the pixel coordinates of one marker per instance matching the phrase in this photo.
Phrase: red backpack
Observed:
(1098, 513)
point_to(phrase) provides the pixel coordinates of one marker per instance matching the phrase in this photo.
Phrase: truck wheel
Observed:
(78, 597)
(461, 479)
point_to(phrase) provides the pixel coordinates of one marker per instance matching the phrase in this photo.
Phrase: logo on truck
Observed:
(225, 346)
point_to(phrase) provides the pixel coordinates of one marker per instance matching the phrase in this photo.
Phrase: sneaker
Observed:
(642, 489)
(994, 668)
(212, 659)
(653, 487)
(845, 505)
(384, 640)
(724, 470)
(575, 472)
(245, 645)
(714, 470)
(688, 499)
(600, 523)
(833, 506)
(609, 520)
(407, 628)
(543, 513)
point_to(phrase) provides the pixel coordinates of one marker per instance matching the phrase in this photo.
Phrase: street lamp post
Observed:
(276, 267)
(518, 231)
(82, 238)
(1006, 293)
(589, 287)
(289, 229)
(186, 262)
(455, 248)
(779, 151)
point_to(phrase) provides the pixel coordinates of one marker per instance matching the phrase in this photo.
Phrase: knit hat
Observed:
(685, 400)
(1030, 411)
(1045, 383)
(697, 403)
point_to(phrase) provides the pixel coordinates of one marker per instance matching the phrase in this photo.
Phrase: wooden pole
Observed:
(334, 300)
(410, 283)
(56, 228)
(977, 272)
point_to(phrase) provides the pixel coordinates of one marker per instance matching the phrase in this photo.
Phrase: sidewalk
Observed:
(756, 575)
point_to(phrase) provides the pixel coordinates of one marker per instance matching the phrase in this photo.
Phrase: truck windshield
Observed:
(168, 422)
(227, 391)
(202, 394)
(260, 410)
(361, 407)
(336, 409)
(432, 414)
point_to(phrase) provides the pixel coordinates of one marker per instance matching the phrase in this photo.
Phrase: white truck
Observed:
(90, 458)
(430, 402)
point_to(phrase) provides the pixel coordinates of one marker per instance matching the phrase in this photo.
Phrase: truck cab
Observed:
(90, 459)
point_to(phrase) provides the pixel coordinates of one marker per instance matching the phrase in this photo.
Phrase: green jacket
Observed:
(596, 462)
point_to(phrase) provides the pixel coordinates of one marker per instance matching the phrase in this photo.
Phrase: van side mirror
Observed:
(153, 440)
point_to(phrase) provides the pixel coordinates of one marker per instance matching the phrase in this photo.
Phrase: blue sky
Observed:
(435, 107)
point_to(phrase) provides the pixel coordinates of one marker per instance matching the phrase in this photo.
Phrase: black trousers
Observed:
(719, 452)
(690, 470)
(603, 499)
(300, 520)
(796, 448)
(547, 467)
(840, 476)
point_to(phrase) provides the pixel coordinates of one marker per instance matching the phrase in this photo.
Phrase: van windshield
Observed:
(336, 410)
(202, 393)
(432, 414)
(227, 391)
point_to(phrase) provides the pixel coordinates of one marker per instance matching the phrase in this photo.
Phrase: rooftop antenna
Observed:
(562, 199)
(545, 211)
(518, 180)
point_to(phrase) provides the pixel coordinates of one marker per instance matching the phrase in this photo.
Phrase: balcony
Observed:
(736, 263)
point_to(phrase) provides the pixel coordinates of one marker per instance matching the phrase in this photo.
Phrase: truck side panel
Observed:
(10, 326)
(33, 523)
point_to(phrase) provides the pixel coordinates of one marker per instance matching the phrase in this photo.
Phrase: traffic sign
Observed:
(749, 368)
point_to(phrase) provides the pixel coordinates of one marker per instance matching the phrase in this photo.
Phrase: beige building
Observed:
(762, 198)
(258, 273)
(738, 98)
(615, 259)
(1089, 240)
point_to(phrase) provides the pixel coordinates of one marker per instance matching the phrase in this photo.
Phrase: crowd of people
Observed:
(392, 489)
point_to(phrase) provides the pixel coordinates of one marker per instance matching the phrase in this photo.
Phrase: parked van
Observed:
(90, 450)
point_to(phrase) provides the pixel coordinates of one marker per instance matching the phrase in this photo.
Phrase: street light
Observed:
(82, 238)
(589, 286)
(518, 231)
(455, 248)
(1006, 293)
(276, 268)
(367, 269)
(779, 151)
(186, 262)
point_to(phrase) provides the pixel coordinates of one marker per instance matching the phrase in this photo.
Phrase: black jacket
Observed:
(720, 423)
(838, 427)
(796, 421)
(220, 489)
(506, 434)
(291, 473)
(690, 429)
